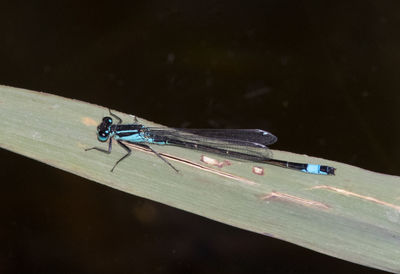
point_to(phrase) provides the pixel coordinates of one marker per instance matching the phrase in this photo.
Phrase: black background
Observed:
(321, 75)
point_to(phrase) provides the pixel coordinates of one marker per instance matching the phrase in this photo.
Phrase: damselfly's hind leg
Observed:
(159, 156)
(135, 120)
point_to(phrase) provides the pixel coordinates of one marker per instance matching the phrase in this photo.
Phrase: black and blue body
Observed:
(244, 144)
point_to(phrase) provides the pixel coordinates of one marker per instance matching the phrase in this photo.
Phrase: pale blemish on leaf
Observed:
(87, 121)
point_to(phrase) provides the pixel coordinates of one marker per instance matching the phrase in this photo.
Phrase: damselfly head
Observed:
(103, 130)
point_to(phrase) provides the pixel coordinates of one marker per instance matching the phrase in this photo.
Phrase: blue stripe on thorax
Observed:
(133, 134)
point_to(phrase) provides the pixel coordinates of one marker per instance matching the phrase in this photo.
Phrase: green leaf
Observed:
(354, 215)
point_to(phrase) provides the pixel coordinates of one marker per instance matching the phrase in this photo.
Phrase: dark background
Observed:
(323, 76)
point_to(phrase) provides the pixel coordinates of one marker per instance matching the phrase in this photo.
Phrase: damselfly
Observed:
(245, 144)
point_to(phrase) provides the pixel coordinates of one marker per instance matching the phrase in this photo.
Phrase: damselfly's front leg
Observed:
(102, 149)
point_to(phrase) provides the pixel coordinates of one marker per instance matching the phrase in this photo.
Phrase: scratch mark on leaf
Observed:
(353, 194)
(294, 199)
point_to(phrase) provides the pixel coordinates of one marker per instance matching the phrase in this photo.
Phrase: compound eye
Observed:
(107, 121)
(103, 135)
